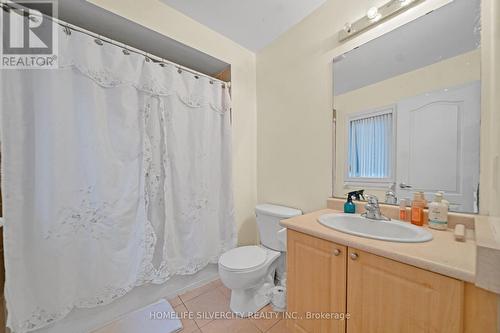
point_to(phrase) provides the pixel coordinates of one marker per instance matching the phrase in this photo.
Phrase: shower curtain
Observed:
(116, 173)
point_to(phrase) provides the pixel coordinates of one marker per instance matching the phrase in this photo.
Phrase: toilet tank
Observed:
(268, 219)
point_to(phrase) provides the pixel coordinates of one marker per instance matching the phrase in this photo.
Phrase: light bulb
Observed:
(348, 28)
(373, 14)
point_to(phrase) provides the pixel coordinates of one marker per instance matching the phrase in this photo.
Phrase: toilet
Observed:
(251, 271)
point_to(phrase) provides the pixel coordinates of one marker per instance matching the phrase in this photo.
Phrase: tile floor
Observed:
(214, 297)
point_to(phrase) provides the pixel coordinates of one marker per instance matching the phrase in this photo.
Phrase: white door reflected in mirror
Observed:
(438, 145)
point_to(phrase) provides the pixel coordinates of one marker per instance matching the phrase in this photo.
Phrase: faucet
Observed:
(373, 209)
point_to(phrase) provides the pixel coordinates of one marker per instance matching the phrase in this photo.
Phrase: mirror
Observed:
(408, 108)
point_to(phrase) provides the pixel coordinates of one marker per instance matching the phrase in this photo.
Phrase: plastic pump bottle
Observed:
(438, 213)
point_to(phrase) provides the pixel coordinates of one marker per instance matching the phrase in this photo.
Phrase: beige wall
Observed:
(445, 74)
(159, 17)
(294, 90)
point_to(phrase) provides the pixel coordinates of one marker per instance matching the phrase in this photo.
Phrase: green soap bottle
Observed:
(349, 206)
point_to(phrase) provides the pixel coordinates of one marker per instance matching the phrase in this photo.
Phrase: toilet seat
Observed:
(243, 258)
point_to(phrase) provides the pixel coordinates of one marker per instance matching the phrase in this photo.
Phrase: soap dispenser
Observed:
(438, 212)
(349, 206)
(417, 209)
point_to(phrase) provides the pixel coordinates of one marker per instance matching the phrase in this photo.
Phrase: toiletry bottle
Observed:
(446, 202)
(349, 206)
(403, 214)
(438, 213)
(408, 211)
(417, 209)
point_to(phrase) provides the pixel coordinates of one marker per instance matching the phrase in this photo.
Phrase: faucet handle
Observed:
(372, 200)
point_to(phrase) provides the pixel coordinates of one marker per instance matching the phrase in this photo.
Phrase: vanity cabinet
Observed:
(380, 295)
(387, 296)
(316, 283)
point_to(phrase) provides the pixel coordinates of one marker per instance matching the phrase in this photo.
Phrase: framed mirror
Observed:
(408, 110)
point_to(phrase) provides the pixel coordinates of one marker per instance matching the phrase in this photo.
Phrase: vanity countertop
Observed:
(442, 255)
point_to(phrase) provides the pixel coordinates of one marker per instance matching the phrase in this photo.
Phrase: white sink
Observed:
(393, 231)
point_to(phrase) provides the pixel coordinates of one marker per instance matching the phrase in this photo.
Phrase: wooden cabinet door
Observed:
(316, 283)
(385, 296)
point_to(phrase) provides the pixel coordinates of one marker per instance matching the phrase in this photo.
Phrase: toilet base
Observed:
(247, 302)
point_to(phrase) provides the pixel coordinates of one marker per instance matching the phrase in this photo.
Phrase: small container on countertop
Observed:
(438, 213)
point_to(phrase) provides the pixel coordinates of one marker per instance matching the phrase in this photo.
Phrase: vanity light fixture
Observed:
(376, 15)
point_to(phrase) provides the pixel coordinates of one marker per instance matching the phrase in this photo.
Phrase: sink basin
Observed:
(393, 231)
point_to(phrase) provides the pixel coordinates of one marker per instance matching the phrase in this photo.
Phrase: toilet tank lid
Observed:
(278, 211)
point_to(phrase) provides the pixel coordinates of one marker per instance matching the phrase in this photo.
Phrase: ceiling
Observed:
(88, 16)
(250, 23)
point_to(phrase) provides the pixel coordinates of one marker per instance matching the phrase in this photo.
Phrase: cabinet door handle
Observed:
(354, 256)
(336, 252)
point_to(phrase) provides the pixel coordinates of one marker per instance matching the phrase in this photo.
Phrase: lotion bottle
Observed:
(438, 213)
(446, 202)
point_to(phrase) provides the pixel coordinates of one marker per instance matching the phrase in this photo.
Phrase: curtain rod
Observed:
(129, 48)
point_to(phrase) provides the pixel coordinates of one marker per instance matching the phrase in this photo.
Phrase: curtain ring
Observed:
(125, 52)
(147, 59)
(179, 70)
(162, 64)
(98, 42)
(67, 30)
(211, 82)
(196, 77)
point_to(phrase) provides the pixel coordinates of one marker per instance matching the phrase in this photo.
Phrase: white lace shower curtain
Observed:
(116, 173)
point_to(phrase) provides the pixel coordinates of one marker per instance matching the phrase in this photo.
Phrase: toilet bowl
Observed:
(251, 271)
